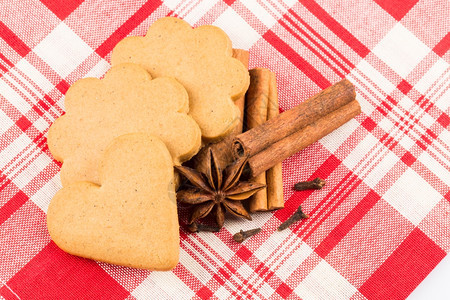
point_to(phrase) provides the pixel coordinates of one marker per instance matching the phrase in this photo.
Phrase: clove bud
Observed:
(315, 184)
(297, 216)
(243, 235)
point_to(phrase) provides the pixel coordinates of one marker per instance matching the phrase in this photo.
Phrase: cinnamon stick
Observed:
(256, 114)
(274, 177)
(297, 141)
(254, 141)
(222, 147)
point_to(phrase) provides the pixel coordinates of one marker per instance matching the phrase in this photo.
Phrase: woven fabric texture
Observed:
(375, 231)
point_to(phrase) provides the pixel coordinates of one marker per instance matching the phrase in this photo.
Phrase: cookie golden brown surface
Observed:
(201, 60)
(127, 100)
(131, 218)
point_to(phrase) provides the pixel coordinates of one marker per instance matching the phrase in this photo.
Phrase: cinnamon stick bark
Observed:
(297, 141)
(257, 100)
(254, 141)
(274, 176)
(223, 147)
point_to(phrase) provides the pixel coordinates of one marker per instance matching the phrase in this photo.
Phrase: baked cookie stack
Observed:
(166, 93)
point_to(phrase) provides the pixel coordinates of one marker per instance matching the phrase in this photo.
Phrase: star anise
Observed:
(217, 191)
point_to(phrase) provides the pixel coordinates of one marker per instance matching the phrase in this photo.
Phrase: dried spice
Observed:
(315, 184)
(243, 235)
(216, 191)
(197, 227)
(297, 216)
(293, 120)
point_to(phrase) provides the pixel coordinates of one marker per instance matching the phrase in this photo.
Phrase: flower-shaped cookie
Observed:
(201, 60)
(127, 100)
(131, 218)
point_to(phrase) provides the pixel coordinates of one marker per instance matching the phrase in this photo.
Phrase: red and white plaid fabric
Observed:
(376, 230)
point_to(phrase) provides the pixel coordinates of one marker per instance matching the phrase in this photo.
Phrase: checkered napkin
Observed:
(379, 226)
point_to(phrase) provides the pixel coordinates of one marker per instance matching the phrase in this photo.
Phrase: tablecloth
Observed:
(375, 231)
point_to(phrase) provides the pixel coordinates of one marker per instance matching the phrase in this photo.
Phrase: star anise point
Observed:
(216, 190)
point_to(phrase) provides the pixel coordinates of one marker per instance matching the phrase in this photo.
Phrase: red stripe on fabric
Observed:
(408, 159)
(327, 167)
(3, 68)
(261, 269)
(332, 206)
(13, 40)
(404, 269)
(54, 274)
(284, 290)
(447, 196)
(429, 107)
(204, 259)
(7, 294)
(37, 109)
(204, 293)
(41, 141)
(397, 8)
(218, 277)
(426, 139)
(23, 123)
(291, 205)
(243, 253)
(385, 104)
(317, 44)
(442, 47)
(318, 207)
(392, 100)
(180, 271)
(369, 124)
(269, 273)
(5, 181)
(224, 273)
(296, 59)
(265, 274)
(62, 86)
(393, 145)
(297, 198)
(421, 101)
(49, 100)
(444, 120)
(62, 8)
(12, 205)
(323, 203)
(382, 111)
(140, 15)
(7, 61)
(404, 87)
(336, 27)
(42, 104)
(316, 53)
(421, 145)
(322, 39)
(432, 134)
(229, 2)
(344, 227)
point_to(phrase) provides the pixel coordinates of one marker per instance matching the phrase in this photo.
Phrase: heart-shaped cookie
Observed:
(131, 218)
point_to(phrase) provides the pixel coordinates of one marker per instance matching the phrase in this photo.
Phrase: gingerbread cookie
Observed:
(131, 218)
(201, 60)
(126, 100)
